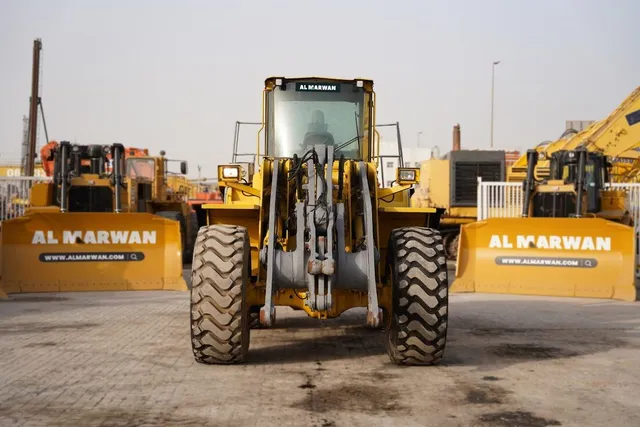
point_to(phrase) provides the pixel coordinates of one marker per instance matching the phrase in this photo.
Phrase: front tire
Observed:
(219, 311)
(417, 333)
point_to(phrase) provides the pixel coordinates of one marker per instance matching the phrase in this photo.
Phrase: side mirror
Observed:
(184, 168)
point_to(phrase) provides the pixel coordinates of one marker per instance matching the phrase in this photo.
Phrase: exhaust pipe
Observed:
(529, 182)
(64, 176)
(117, 151)
(456, 138)
(582, 160)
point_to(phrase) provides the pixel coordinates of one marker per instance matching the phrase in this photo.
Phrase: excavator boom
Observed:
(613, 137)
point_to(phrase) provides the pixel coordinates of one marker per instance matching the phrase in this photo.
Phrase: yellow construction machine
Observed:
(575, 237)
(628, 166)
(451, 183)
(312, 229)
(88, 229)
(164, 194)
(616, 137)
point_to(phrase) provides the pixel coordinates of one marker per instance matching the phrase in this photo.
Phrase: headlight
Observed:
(229, 173)
(407, 175)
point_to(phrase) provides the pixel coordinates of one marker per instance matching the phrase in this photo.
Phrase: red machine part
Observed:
(46, 155)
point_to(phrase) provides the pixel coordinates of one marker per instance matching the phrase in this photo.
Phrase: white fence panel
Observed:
(14, 195)
(498, 199)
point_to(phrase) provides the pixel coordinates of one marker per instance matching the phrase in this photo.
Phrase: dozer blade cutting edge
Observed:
(59, 252)
(565, 257)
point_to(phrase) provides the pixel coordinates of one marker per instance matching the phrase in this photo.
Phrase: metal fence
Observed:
(14, 195)
(505, 200)
(497, 199)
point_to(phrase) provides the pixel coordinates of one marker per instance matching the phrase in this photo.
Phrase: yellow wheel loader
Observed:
(90, 230)
(312, 229)
(575, 237)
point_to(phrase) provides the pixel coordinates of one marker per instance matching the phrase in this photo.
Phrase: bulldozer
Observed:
(575, 238)
(90, 229)
(312, 229)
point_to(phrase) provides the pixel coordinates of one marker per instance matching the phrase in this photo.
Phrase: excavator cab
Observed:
(572, 173)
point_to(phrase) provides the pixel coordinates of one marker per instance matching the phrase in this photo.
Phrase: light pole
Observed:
(418, 135)
(493, 78)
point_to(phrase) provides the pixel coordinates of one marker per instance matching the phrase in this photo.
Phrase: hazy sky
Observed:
(176, 75)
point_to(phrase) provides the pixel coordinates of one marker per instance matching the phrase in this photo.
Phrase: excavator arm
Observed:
(614, 137)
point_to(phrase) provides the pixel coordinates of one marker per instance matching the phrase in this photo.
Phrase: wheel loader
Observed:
(576, 237)
(312, 229)
(89, 229)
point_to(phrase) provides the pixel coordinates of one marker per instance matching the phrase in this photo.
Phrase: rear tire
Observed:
(219, 311)
(417, 332)
(191, 237)
(451, 246)
(254, 317)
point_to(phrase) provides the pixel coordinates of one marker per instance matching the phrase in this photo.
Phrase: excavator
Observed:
(91, 229)
(575, 238)
(628, 166)
(616, 137)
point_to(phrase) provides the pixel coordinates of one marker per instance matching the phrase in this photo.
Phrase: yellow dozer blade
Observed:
(61, 252)
(568, 257)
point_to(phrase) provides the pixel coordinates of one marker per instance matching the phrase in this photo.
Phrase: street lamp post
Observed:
(419, 133)
(493, 78)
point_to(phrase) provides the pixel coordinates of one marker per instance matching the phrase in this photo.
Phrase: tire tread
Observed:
(418, 330)
(219, 322)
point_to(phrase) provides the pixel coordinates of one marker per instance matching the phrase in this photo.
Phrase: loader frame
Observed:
(314, 230)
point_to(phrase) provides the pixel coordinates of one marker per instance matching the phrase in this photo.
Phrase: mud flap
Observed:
(568, 257)
(62, 252)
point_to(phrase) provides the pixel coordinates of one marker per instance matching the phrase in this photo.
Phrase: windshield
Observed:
(140, 168)
(315, 113)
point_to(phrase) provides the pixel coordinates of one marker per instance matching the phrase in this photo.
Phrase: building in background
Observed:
(510, 157)
(413, 156)
(578, 125)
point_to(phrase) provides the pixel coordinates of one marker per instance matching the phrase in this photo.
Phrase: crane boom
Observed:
(30, 155)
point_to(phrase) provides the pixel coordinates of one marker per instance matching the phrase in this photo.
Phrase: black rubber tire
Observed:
(451, 248)
(219, 311)
(417, 333)
(177, 216)
(254, 318)
(191, 237)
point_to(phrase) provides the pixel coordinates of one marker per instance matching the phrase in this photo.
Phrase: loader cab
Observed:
(302, 112)
(141, 175)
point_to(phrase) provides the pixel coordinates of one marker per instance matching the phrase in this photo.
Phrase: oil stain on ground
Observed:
(35, 327)
(516, 418)
(485, 395)
(41, 344)
(530, 351)
(363, 398)
(43, 298)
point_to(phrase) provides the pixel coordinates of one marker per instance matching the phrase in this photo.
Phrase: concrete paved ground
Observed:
(85, 359)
